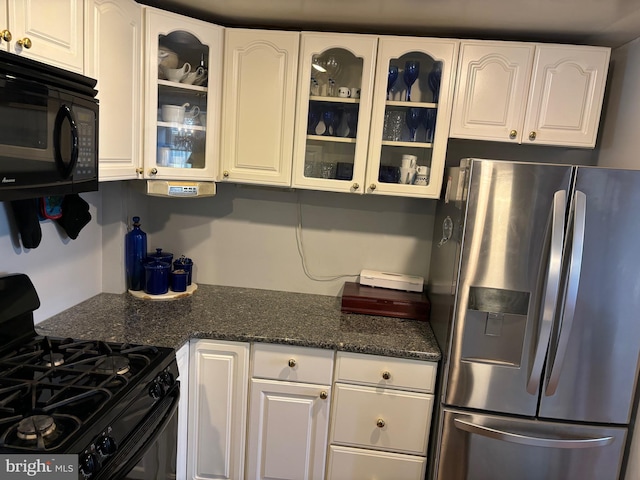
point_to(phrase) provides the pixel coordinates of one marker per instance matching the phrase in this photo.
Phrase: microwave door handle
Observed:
(65, 169)
(573, 282)
(550, 298)
(514, 437)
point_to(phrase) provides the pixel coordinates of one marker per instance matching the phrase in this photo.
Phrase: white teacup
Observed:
(420, 180)
(407, 175)
(422, 170)
(409, 161)
(344, 92)
(173, 113)
(194, 77)
(177, 74)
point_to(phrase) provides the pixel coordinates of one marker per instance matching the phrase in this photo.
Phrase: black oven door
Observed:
(150, 452)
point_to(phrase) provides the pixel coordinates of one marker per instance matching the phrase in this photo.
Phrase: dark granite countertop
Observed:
(242, 314)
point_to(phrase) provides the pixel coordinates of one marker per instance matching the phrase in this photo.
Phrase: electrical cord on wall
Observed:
(303, 259)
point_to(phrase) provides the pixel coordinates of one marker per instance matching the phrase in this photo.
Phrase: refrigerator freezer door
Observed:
(489, 447)
(598, 374)
(505, 288)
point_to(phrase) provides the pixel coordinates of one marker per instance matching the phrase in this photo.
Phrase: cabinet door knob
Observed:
(153, 171)
(24, 42)
(372, 186)
(323, 395)
(532, 135)
(225, 174)
(355, 186)
(6, 35)
(513, 134)
(292, 362)
(386, 375)
(139, 171)
(380, 423)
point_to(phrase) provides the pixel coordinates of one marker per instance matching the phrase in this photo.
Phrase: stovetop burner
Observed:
(114, 364)
(36, 425)
(53, 359)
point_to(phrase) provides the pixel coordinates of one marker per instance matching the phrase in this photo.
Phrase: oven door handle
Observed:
(122, 462)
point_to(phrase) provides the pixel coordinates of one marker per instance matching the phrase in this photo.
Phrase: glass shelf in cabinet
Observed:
(329, 138)
(182, 126)
(391, 143)
(181, 86)
(398, 103)
(317, 98)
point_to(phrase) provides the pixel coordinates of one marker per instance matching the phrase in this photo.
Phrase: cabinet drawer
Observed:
(391, 372)
(295, 364)
(382, 419)
(347, 463)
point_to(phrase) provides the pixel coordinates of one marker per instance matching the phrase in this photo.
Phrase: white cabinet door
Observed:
(4, 26)
(114, 56)
(182, 111)
(332, 131)
(493, 82)
(287, 437)
(415, 124)
(260, 69)
(540, 94)
(567, 91)
(182, 358)
(219, 374)
(50, 31)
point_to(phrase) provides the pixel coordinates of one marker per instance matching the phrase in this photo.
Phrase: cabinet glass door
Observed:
(411, 116)
(334, 106)
(180, 83)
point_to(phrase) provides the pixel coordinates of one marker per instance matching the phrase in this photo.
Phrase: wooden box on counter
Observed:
(385, 302)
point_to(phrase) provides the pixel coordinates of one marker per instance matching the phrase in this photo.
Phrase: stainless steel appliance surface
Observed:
(112, 404)
(535, 295)
(48, 130)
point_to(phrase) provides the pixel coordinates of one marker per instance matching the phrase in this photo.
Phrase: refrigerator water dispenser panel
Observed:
(494, 326)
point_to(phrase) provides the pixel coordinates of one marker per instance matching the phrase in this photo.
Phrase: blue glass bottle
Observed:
(135, 252)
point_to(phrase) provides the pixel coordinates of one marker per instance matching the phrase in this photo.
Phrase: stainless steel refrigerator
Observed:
(535, 292)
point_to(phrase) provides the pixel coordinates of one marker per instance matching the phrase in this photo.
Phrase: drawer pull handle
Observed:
(380, 423)
(292, 362)
(323, 395)
(386, 375)
(25, 42)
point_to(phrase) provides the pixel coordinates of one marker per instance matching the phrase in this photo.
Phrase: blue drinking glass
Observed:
(413, 121)
(335, 124)
(314, 120)
(352, 122)
(410, 75)
(393, 76)
(429, 121)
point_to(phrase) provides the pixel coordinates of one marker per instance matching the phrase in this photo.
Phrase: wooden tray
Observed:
(385, 302)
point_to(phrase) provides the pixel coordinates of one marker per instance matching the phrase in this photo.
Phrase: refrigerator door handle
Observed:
(573, 282)
(552, 285)
(514, 437)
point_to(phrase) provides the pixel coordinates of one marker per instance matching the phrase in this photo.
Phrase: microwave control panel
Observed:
(87, 148)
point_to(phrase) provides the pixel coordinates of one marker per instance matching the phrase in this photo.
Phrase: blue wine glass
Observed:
(393, 76)
(434, 80)
(352, 122)
(429, 121)
(412, 119)
(314, 120)
(327, 117)
(335, 124)
(410, 75)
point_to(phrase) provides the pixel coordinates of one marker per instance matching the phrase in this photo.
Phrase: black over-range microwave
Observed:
(48, 130)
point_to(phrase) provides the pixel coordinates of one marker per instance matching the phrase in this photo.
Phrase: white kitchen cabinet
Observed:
(114, 58)
(288, 412)
(381, 417)
(182, 106)
(182, 359)
(335, 93)
(50, 31)
(260, 69)
(219, 377)
(427, 109)
(543, 94)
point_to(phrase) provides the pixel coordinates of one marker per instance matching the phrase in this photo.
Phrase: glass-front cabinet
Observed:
(411, 114)
(183, 90)
(335, 91)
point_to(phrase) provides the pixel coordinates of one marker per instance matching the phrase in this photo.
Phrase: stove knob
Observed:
(106, 446)
(166, 379)
(89, 464)
(156, 391)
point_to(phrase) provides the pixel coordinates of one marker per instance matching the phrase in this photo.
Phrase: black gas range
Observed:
(106, 402)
